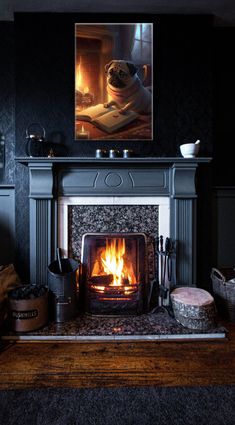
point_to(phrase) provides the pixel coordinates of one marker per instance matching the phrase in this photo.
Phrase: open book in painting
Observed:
(108, 119)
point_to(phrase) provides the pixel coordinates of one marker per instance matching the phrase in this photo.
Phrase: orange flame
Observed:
(113, 260)
(80, 80)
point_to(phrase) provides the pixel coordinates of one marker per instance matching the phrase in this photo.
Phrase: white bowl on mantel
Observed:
(190, 150)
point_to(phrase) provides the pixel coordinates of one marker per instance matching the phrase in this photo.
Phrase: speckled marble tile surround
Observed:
(105, 218)
(146, 327)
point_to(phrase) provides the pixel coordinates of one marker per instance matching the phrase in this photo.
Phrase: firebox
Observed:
(115, 273)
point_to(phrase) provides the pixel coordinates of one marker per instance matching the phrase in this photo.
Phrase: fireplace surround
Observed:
(172, 179)
(166, 178)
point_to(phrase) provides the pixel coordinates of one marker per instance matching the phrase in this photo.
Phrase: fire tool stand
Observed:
(165, 274)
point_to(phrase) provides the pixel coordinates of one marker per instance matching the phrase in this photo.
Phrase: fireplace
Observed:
(85, 224)
(94, 47)
(87, 207)
(115, 273)
(56, 182)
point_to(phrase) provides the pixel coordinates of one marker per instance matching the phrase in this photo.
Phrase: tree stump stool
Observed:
(194, 308)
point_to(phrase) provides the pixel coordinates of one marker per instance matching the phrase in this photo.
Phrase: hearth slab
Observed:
(147, 327)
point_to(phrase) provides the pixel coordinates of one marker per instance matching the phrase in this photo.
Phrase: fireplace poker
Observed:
(161, 243)
(157, 243)
(59, 259)
(169, 263)
(164, 262)
(166, 259)
(161, 259)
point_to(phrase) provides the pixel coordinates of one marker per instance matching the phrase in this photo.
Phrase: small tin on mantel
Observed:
(127, 153)
(101, 153)
(114, 153)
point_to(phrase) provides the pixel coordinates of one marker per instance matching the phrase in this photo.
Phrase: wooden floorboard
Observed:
(113, 364)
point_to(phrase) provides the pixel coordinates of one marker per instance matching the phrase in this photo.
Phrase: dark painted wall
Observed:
(183, 105)
(7, 99)
(45, 90)
(182, 74)
(224, 109)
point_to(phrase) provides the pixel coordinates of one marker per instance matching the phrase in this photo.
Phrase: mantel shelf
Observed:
(111, 161)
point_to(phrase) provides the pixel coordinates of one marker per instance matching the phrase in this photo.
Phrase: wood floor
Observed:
(113, 364)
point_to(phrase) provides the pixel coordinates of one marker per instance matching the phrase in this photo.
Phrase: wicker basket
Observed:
(224, 292)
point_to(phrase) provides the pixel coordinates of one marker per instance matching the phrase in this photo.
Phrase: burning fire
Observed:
(78, 77)
(113, 261)
(81, 84)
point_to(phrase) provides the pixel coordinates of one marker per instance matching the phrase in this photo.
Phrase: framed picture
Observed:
(113, 81)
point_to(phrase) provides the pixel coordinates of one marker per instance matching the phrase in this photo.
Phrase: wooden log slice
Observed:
(193, 307)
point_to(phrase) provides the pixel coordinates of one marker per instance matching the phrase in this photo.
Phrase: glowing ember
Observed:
(113, 260)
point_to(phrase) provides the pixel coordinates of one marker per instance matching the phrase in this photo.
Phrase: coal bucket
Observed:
(63, 289)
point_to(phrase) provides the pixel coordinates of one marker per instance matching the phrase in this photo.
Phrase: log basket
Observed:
(28, 314)
(223, 284)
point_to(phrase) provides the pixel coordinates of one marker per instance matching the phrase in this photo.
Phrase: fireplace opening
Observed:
(94, 49)
(89, 88)
(115, 274)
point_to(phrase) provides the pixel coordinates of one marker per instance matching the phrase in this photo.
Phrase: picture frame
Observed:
(113, 81)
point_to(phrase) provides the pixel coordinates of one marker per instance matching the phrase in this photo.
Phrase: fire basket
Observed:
(114, 277)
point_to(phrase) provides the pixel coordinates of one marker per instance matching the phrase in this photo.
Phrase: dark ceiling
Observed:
(223, 10)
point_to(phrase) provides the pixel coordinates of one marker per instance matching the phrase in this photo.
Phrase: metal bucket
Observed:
(63, 289)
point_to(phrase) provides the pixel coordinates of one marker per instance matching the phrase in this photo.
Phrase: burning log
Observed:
(109, 289)
(105, 279)
(125, 281)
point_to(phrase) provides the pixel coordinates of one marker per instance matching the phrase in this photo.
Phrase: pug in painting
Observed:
(125, 89)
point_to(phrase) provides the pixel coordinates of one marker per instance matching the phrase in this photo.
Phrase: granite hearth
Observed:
(57, 183)
(158, 326)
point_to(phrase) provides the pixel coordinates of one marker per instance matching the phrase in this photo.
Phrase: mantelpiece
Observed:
(51, 178)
